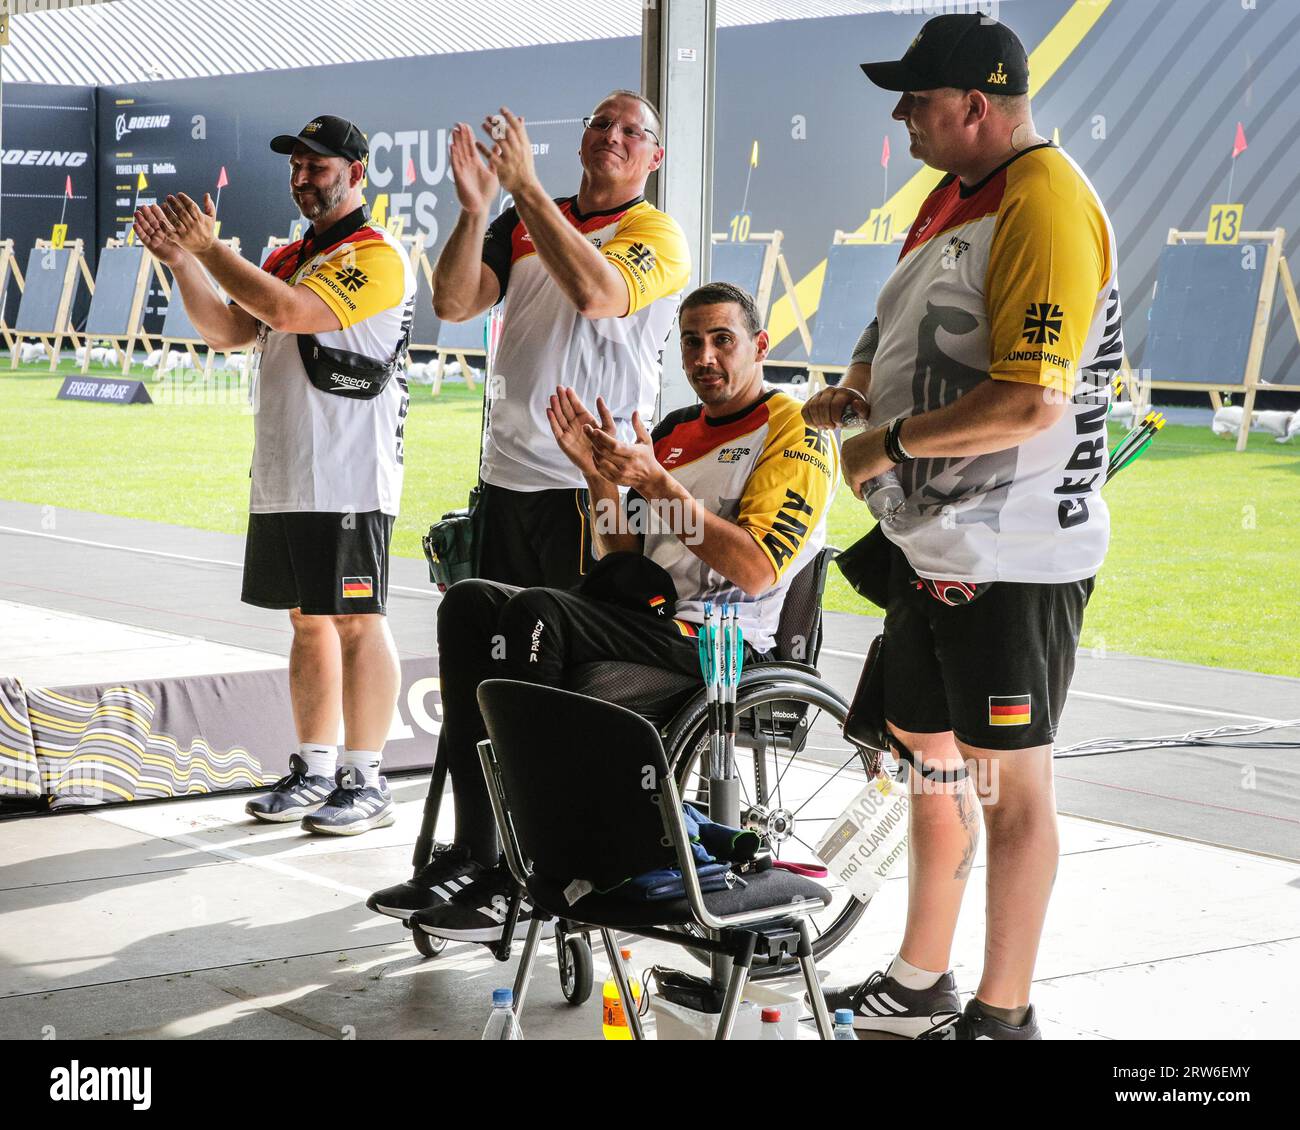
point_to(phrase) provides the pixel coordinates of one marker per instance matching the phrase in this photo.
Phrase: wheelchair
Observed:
(798, 773)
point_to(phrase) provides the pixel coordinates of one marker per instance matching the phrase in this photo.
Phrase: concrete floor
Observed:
(185, 919)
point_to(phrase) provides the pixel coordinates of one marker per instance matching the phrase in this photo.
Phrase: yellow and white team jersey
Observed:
(763, 469)
(1014, 279)
(545, 342)
(314, 450)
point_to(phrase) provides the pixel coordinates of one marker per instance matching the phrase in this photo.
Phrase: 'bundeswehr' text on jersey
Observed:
(545, 342)
(762, 469)
(316, 451)
(1014, 280)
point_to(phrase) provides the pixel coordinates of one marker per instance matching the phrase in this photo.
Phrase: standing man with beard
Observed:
(330, 315)
(590, 285)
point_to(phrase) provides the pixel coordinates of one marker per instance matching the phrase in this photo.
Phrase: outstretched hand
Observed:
(511, 156)
(570, 420)
(476, 183)
(157, 236)
(627, 464)
(194, 228)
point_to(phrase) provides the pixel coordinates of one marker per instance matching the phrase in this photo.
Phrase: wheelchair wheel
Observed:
(798, 774)
(573, 953)
(427, 944)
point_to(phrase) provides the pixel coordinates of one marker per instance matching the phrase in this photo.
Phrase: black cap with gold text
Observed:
(328, 136)
(969, 52)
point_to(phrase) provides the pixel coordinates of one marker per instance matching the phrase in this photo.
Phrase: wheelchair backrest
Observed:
(581, 780)
(799, 632)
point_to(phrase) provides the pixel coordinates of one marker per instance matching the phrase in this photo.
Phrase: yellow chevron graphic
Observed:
(1044, 61)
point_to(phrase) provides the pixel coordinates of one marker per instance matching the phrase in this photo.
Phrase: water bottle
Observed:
(502, 1024)
(884, 495)
(844, 1024)
(770, 1029)
(613, 1021)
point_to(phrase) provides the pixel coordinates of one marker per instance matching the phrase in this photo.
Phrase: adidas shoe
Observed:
(447, 872)
(881, 1004)
(352, 808)
(975, 1024)
(478, 912)
(292, 797)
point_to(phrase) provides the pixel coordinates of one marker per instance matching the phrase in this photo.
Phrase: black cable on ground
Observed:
(1222, 737)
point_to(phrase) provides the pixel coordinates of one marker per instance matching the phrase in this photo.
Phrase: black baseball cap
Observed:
(327, 135)
(969, 52)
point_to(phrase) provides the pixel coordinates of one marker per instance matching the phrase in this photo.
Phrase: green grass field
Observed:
(1201, 536)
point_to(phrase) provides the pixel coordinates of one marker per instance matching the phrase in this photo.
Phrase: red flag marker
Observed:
(884, 154)
(222, 179)
(68, 189)
(1239, 145)
(408, 176)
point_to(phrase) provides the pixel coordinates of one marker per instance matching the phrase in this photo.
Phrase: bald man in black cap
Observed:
(984, 383)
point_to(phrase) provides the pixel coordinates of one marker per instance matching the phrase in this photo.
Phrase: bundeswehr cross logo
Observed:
(815, 439)
(642, 258)
(353, 278)
(1043, 323)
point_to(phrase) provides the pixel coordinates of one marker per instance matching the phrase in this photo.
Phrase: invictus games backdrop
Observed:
(1153, 127)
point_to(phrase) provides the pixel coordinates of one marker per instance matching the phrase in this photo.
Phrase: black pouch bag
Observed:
(866, 564)
(347, 374)
(451, 545)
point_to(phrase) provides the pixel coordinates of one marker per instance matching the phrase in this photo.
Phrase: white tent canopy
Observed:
(143, 40)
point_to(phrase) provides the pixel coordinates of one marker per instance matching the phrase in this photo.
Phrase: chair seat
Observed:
(776, 889)
(652, 692)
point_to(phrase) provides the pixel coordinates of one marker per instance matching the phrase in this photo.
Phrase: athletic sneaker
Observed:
(881, 1004)
(292, 797)
(352, 808)
(447, 872)
(476, 913)
(975, 1024)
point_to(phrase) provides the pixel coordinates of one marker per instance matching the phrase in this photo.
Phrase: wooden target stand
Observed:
(773, 263)
(52, 340)
(125, 342)
(8, 267)
(1275, 268)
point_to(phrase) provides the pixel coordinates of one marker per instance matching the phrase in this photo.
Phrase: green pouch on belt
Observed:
(451, 545)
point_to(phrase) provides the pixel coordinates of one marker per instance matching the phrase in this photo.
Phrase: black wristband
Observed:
(893, 443)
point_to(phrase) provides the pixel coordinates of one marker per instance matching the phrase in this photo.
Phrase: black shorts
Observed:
(994, 671)
(321, 564)
(534, 539)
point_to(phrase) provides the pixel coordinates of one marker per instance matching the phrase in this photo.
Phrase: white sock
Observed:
(910, 977)
(366, 762)
(320, 758)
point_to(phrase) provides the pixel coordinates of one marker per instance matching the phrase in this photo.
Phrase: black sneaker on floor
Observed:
(293, 796)
(881, 1004)
(975, 1024)
(450, 870)
(352, 808)
(478, 912)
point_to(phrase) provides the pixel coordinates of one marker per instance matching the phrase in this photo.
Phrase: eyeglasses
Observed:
(631, 132)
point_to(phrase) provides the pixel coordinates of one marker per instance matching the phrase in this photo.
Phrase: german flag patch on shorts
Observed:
(1009, 710)
(358, 587)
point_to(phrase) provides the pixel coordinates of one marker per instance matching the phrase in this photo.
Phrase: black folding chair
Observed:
(584, 800)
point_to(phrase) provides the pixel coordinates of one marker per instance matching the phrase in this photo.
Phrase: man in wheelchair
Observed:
(726, 502)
